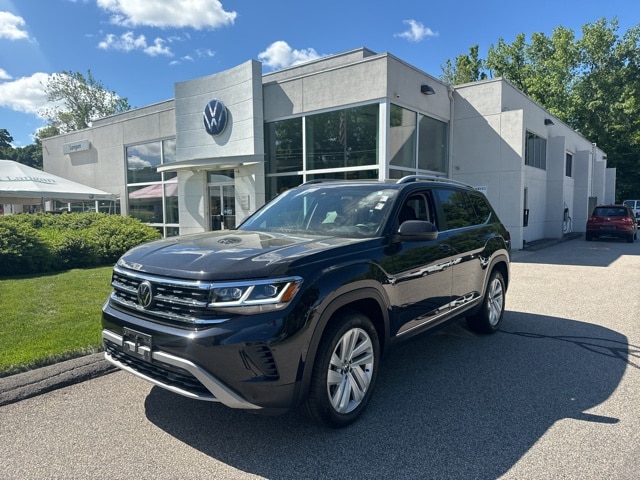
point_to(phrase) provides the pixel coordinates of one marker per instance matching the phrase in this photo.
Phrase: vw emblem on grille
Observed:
(145, 294)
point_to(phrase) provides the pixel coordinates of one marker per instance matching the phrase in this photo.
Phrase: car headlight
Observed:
(264, 294)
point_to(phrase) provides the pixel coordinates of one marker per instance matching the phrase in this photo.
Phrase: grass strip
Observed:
(52, 317)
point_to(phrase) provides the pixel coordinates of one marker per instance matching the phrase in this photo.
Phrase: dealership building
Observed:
(228, 142)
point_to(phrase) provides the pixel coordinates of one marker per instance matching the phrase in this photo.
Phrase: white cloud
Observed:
(11, 26)
(416, 32)
(205, 52)
(26, 94)
(127, 42)
(197, 14)
(158, 48)
(4, 75)
(280, 55)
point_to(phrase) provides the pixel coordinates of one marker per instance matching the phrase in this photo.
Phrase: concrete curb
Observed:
(42, 380)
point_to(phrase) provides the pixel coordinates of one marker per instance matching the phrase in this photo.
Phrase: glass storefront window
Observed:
(342, 138)
(276, 185)
(142, 161)
(145, 203)
(402, 137)
(169, 151)
(350, 175)
(283, 144)
(432, 147)
(153, 196)
(333, 140)
(171, 201)
(169, 156)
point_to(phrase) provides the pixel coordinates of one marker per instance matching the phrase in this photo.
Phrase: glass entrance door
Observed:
(222, 202)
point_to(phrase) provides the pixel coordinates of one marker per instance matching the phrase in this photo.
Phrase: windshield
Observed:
(353, 211)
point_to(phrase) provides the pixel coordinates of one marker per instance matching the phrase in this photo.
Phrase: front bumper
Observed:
(159, 372)
(252, 362)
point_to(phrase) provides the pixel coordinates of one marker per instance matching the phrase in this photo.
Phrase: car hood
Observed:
(230, 255)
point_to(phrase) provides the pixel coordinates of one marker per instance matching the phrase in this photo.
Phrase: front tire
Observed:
(488, 319)
(344, 372)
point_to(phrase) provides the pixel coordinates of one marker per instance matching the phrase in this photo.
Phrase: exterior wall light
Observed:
(548, 121)
(427, 90)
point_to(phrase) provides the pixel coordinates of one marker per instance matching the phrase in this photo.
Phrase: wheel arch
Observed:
(364, 298)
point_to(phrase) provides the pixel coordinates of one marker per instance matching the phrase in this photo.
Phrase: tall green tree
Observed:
(30, 155)
(464, 69)
(592, 83)
(81, 100)
(5, 143)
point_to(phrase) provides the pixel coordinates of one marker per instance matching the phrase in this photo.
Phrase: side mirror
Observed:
(416, 230)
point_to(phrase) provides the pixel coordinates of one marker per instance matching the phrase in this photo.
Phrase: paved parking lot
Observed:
(554, 394)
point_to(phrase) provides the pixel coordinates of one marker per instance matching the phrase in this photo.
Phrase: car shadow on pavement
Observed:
(449, 405)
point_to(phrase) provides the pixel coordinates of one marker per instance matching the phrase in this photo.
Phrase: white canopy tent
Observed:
(23, 185)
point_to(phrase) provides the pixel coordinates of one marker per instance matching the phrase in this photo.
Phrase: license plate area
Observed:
(137, 344)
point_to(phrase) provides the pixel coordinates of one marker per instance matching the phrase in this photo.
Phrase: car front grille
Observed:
(172, 301)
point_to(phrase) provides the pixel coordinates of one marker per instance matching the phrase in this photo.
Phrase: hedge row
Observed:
(42, 242)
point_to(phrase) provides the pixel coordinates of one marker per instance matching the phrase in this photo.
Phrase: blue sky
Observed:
(140, 48)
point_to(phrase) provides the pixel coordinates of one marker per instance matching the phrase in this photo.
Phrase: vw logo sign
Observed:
(215, 117)
(145, 294)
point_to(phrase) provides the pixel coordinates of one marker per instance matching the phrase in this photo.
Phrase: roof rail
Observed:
(432, 178)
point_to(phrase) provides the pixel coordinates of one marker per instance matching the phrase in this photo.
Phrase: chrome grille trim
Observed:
(187, 302)
(175, 301)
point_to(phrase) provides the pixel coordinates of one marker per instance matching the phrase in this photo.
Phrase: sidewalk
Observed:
(42, 380)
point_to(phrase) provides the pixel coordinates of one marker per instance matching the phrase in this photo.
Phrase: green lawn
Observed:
(51, 317)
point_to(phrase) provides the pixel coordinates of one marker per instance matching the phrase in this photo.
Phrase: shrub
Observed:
(21, 250)
(36, 243)
(113, 237)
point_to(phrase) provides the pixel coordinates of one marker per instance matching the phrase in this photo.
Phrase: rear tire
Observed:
(630, 238)
(488, 319)
(344, 372)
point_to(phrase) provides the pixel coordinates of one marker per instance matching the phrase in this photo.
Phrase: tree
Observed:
(30, 155)
(5, 141)
(83, 100)
(464, 69)
(591, 83)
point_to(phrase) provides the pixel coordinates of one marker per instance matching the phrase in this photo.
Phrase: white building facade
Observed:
(227, 143)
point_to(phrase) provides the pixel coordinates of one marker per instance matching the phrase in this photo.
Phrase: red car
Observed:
(612, 221)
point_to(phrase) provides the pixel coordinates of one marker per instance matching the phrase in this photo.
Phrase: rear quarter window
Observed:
(457, 208)
(484, 212)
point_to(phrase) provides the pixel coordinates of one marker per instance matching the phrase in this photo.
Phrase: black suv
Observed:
(294, 308)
